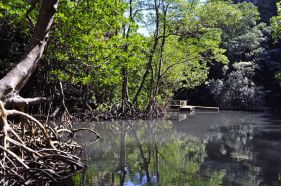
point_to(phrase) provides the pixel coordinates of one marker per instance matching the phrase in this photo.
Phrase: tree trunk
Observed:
(159, 72)
(15, 80)
(152, 52)
(124, 70)
(125, 93)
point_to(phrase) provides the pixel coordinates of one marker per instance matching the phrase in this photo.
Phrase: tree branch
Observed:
(22, 102)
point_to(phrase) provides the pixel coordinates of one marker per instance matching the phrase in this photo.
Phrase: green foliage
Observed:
(14, 33)
(14, 12)
(218, 14)
(244, 42)
(16, 8)
(93, 42)
(275, 23)
(193, 41)
(238, 91)
(278, 76)
(89, 47)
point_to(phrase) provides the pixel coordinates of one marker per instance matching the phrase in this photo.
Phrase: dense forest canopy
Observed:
(129, 55)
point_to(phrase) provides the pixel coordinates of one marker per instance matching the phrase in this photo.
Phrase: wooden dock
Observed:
(207, 108)
(181, 105)
(186, 108)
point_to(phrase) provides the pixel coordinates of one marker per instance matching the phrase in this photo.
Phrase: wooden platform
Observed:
(181, 105)
(186, 108)
(207, 108)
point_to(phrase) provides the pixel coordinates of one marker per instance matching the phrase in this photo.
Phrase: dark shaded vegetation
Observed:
(248, 81)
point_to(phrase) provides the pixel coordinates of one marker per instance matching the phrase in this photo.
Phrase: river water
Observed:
(203, 149)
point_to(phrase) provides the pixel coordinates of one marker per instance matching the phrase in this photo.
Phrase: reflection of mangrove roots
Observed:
(32, 153)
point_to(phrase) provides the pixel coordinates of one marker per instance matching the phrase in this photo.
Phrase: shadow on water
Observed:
(227, 148)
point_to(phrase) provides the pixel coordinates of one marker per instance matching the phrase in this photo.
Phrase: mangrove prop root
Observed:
(124, 110)
(32, 153)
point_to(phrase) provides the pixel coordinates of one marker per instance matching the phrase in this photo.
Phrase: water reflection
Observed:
(145, 153)
(229, 148)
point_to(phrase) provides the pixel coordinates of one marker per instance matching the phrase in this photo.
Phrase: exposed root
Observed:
(32, 153)
(153, 110)
(124, 110)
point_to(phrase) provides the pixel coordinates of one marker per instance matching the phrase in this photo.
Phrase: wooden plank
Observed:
(192, 108)
(186, 108)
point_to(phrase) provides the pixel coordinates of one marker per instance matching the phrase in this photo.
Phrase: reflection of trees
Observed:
(233, 147)
(154, 151)
(146, 160)
(142, 152)
(121, 170)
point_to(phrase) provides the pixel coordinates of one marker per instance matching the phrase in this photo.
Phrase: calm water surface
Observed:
(227, 148)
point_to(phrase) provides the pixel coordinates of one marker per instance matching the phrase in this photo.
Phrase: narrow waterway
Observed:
(226, 148)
